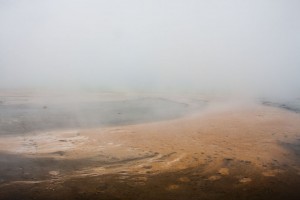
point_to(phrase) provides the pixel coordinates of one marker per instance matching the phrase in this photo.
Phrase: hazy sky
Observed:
(195, 45)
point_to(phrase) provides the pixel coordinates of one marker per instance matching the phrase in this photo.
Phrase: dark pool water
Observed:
(20, 118)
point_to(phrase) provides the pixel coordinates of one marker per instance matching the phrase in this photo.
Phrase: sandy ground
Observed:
(246, 151)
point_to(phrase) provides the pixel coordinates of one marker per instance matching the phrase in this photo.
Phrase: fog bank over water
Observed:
(234, 47)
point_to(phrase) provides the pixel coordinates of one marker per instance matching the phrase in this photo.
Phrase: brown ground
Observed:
(226, 152)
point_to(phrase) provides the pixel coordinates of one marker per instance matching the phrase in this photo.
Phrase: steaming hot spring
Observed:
(129, 146)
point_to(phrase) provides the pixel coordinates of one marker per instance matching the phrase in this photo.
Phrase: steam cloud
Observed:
(240, 47)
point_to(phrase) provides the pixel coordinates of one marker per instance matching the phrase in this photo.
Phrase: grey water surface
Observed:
(26, 117)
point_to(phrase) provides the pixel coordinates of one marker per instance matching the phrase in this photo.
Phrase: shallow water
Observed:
(291, 105)
(25, 117)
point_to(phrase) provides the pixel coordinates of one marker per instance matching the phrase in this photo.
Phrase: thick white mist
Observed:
(233, 47)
